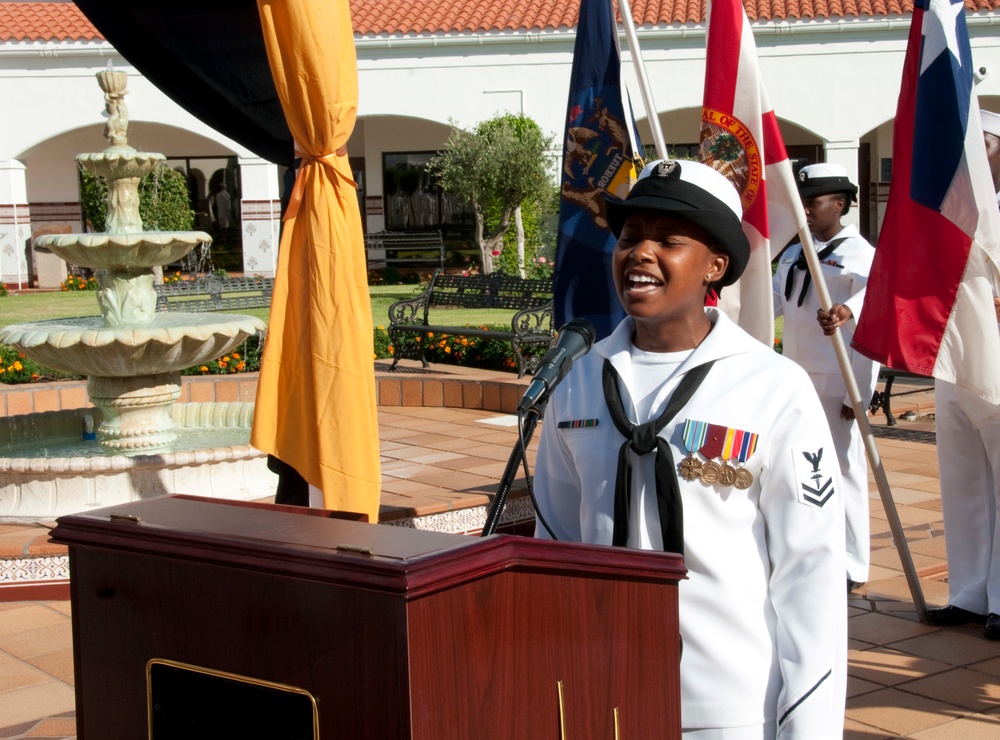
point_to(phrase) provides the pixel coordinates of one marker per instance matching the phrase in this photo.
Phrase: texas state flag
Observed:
(929, 306)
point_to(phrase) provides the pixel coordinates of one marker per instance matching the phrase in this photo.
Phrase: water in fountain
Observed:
(133, 357)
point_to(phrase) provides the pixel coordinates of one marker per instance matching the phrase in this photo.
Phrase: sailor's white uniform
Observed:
(763, 612)
(845, 271)
(969, 464)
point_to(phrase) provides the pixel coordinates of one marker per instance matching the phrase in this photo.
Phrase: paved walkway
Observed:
(907, 679)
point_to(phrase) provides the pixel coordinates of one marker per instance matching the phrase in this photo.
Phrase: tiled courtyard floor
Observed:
(907, 679)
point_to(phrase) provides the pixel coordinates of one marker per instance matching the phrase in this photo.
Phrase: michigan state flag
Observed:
(598, 159)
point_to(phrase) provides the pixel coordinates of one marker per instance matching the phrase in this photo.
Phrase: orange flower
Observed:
(204, 368)
(236, 355)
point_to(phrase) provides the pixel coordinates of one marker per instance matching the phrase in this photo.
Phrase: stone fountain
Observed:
(133, 358)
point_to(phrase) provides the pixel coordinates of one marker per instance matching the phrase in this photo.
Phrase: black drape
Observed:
(209, 57)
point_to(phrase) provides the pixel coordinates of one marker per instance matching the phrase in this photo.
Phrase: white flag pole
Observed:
(640, 72)
(860, 407)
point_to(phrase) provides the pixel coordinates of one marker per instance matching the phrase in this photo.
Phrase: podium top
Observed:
(310, 543)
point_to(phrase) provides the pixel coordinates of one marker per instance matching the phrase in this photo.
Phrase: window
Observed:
(414, 200)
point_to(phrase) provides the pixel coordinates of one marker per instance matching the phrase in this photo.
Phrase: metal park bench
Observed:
(405, 249)
(531, 325)
(213, 293)
(882, 399)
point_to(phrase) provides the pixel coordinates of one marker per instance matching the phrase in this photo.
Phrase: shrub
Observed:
(3, 290)
(15, 368)
(243, 359)
(391, 276)
(164, 201)
(383, 348)
(484, 352)
(77, 282)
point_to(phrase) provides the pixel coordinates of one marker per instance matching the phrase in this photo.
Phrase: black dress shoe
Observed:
(949, 616)
(854, 585)
(993, 627)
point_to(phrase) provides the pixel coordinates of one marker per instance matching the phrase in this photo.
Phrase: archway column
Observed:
(261, 215)
(15, 225)
(845, 153)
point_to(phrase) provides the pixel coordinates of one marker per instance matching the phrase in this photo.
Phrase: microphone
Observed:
(575, 340)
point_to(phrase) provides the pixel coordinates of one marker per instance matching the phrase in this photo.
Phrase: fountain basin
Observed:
(120, 162)
(132, 252)
(37, 488)
(88, 346)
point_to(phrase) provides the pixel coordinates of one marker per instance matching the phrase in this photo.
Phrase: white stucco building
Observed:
(832, 70)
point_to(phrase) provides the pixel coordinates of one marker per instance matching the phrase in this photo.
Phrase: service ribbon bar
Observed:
(694, 434)
(740, 445)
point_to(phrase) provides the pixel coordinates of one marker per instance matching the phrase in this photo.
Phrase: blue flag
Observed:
(598, 158)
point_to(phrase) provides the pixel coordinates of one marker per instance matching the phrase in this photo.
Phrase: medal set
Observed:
(716, 441)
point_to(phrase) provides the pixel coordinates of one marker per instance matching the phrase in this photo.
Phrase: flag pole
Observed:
(640, 72)
(861, 415)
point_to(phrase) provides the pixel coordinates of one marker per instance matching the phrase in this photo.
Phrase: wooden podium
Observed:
(194, 618)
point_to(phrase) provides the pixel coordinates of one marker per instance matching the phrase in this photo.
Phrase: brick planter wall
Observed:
(499, 392)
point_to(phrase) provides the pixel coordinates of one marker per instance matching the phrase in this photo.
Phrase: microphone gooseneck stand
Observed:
(526, 430)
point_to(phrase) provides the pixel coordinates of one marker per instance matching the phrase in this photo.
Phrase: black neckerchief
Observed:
(801, 264)
(643, 439)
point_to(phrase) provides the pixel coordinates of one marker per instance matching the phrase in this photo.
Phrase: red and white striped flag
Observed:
(740, 138)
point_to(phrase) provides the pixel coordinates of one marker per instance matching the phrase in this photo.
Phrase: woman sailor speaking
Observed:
(680, 432)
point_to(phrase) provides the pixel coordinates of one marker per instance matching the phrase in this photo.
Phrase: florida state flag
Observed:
(740, 138)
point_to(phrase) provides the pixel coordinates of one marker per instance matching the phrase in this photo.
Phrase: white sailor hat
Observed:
(825, 178)
(696, 193)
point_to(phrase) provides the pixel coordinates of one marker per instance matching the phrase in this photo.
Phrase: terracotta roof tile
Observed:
(63, 21)
(45, 22)
(391, 17)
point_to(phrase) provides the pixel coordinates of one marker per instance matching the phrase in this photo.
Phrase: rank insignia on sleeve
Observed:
(815, 488)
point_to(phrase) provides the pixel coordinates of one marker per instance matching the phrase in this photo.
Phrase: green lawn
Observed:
(19, 309)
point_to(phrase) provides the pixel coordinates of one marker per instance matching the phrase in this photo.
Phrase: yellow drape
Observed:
(316, 396)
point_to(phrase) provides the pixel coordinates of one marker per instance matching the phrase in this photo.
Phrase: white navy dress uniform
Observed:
(762, 623)
(969, 463)
(845, 270)
(763, 610)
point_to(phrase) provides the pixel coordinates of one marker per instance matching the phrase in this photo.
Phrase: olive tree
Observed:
(497, 166)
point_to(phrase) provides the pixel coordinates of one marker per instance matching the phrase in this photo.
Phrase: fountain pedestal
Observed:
(136, 410)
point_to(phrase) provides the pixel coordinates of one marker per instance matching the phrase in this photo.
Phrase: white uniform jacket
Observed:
(846, 273)
(763, 612)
